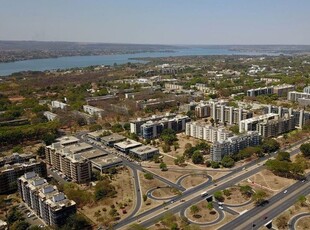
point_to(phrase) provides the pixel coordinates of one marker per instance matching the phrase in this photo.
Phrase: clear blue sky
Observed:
(157, 21)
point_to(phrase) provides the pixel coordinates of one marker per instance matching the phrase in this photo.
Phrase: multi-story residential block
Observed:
(283, 90)
(300, 116)
(259, 91)
(65, 156)
(94, 111)
(280, 90)
(233, 145)
(153, 129)
(295, 96)
(13, 169)
(268, 125)
(135, 126)
(206, 132)
(203, 110)
(221, 113)
(307, 90)
(45, 200)
(228, 114)
(173, 86)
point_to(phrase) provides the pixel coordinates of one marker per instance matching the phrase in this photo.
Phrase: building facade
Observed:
(45, 200)
(207, 132)
(64, 155)
(233, 145)
(153, 129)
(9, 173)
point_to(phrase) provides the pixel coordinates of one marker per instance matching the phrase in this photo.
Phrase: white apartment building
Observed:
(207, 132)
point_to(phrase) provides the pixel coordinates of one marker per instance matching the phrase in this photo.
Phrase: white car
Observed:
(220, 203)
(221, 207)
(285, 191)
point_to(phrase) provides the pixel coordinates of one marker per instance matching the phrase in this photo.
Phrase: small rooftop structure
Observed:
(106, 162)
(144, 152)
(110, 140)
(126, 145)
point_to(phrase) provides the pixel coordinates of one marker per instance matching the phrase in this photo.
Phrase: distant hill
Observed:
(23, 50)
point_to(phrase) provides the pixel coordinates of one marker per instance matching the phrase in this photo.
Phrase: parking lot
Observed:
(29, 216)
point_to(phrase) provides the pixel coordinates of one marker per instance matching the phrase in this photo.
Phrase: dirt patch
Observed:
(303, 223)
(169, 175)
(267, 179)
(165, 192)
(193, 180)
(235, 197)
(204, 214)
(99, 212)
(145, 186)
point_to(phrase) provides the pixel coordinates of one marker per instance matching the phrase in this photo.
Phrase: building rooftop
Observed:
(66, 140)
(143, 150)
(113, 138)
(106, 160)
(77, 148)
(94, 153)
(260, 117)
(128, 144)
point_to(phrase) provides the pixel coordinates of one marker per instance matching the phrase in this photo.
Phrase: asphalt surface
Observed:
(196, 199)
(293, 221)
(261, 218)
(183, 205)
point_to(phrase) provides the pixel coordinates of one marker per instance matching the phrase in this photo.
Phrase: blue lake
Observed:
(83, 61)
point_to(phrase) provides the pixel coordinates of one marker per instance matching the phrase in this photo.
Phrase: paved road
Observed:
(259, 216)
(175, 209)
(293, 221)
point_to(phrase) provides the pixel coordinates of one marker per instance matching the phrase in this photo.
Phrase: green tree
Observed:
(270, 145)
(41, 151)
(168, 136)
(148, 176)
(218, 195)
(302, 200)
(228, 162)
(197, 157)
(163, 166)
(283, 156)
(246, 190)
(305, 149)
(194, 209)
(234, 129)
(259, 196)
(180, 160)
(20, 225)
(210, 205)
(215, 164)
(144, 197)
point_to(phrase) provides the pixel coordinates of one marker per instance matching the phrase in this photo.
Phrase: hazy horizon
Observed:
(163, 22)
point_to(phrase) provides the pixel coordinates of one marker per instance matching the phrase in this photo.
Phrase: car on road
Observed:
(182, 200)
(303, 181)
(221, 207)
(285, 191)
(172, 202)
(265, 217)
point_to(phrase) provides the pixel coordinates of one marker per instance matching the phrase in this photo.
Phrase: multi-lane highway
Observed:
(150, 217)
(260, 215)
(190, 196)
